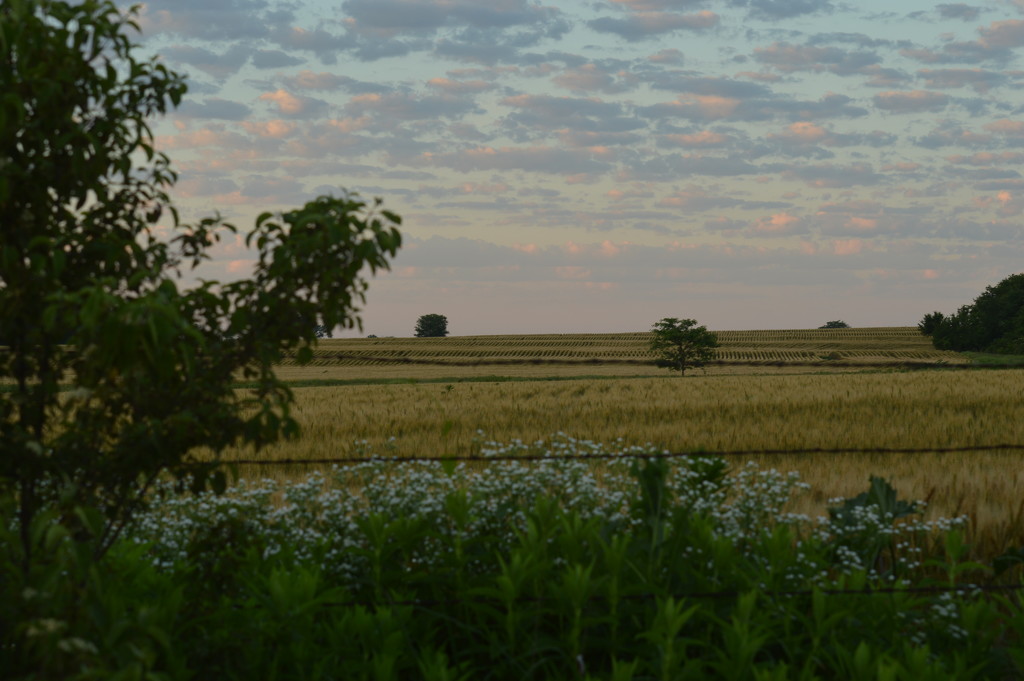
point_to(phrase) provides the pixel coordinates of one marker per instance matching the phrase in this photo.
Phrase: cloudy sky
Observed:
(572, 166)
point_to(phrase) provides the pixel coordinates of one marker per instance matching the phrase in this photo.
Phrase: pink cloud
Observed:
(706, 106)
(986, 158)
(1009, 33)
(1007, 127)
(620, 195)
(609, 249)
(847, 246)
(239, 266)
(862, 224)
(308, 80)
(458, 87)
(777, 224)
(274, 129)
(286, 102)
(584, 78)
(803, 132)
(348, 125)
(714, 106)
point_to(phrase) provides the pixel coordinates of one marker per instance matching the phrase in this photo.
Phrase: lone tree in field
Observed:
(682, 344)
(92, 256)
(432, 326)
(836, 324)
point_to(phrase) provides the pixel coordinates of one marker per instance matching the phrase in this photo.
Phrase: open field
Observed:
(831, 406)
(845, 349)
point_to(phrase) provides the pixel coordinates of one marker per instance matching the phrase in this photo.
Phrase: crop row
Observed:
(898, 344)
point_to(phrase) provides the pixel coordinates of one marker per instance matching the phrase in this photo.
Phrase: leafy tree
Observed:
(89, 293)
(319, 330)
(836, 324)
(993, 323)
(930, 322)
(682, 344)
(432, 326)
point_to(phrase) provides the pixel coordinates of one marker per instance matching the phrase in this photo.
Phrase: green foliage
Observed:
(682, 344)
(69, 617)
(694, 572)
(835, 324)
(90, 253)
(432, 326)
(930, 322)
(993, 323)
(862, 525)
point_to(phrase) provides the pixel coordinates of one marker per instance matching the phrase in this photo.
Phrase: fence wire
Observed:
(526, 457)
(488, 458)
(846, 363)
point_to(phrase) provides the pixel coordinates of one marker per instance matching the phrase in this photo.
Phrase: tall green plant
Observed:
(89, 290)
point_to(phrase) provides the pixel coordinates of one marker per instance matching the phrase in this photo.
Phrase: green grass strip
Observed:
(988, 358)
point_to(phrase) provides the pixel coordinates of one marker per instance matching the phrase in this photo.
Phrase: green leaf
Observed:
(218, 482)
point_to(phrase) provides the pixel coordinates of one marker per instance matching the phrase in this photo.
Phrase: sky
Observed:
(584, 167)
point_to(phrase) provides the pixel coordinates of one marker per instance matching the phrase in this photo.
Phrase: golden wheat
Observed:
(726, 408)
(907, 410)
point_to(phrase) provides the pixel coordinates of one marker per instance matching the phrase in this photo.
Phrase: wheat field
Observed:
(837, 404)
(342, 359)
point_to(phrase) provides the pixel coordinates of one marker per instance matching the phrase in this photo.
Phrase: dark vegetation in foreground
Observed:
(664, 571)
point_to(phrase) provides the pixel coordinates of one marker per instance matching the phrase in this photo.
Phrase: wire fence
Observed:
(842, 362)
(963, 590)
(493, 458)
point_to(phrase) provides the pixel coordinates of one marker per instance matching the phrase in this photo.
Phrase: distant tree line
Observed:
(994, 323)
